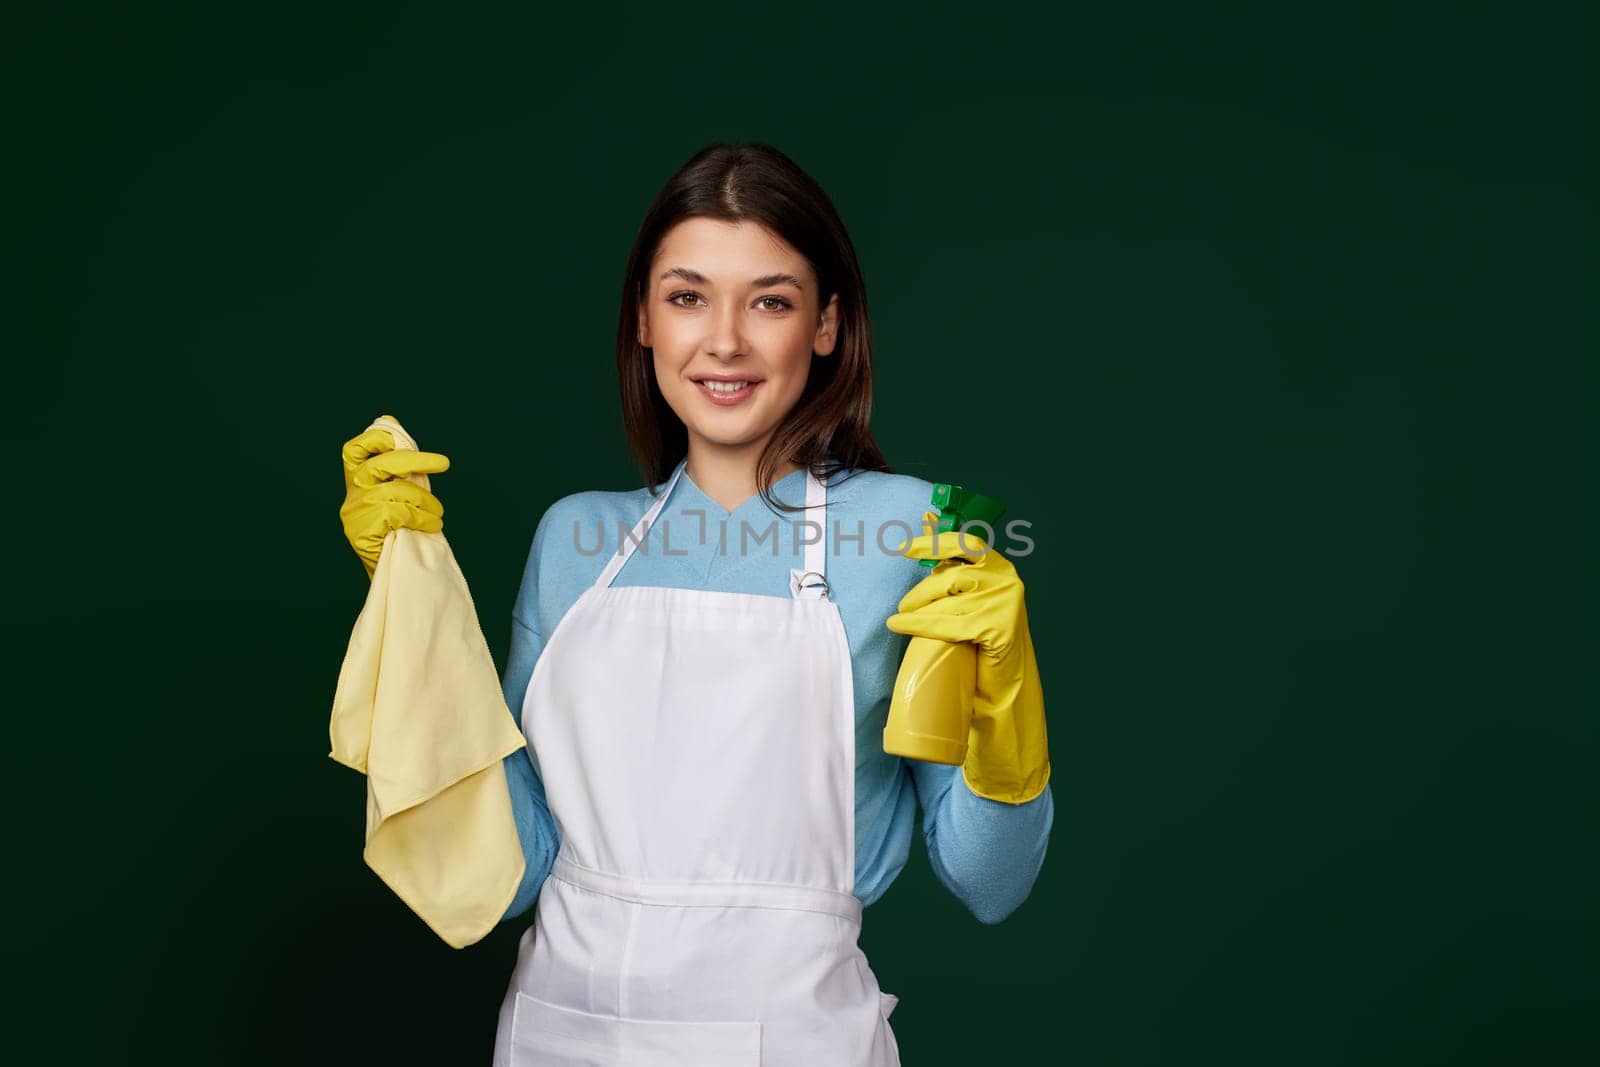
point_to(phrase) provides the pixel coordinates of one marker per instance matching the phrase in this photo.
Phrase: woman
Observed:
(705, 804)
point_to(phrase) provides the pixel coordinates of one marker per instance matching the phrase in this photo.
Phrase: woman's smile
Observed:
(726, 392)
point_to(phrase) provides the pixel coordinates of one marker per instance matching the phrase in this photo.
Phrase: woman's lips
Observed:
(726, 398)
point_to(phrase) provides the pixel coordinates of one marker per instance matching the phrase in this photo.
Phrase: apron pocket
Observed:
(544, 1035)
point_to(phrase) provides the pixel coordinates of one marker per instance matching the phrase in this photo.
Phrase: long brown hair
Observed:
(829, 427)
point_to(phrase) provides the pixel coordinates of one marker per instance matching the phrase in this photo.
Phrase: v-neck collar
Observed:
(790, 489)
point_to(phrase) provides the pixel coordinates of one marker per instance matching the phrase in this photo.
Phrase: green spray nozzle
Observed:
(958, 506)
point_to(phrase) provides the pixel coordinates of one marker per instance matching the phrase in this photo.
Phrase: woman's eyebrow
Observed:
(776, 279)
(694, 277)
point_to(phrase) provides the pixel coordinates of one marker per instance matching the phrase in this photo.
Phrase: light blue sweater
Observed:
(985, 852)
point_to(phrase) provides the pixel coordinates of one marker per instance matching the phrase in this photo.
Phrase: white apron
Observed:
(698, 752)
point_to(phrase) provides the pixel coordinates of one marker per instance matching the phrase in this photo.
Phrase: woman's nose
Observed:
(725, 338)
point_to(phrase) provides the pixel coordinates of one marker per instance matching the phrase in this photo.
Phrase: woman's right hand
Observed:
(378, 498)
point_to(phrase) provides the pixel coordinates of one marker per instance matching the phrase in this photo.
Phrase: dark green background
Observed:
(1278, 327)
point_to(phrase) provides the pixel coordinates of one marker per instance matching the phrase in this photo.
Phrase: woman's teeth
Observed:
(726, 394)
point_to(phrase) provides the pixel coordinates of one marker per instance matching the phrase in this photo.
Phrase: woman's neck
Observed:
(728, 476)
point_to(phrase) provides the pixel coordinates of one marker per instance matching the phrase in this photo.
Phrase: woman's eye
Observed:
(765, 303)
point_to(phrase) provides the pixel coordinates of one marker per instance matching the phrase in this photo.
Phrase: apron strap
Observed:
(640, 530)
(811, 581)
(808, 583)
(707, 894)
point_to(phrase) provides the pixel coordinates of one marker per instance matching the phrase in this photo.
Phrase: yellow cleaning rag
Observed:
(419, 710)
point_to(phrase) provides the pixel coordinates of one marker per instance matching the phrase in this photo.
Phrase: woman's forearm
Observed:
(985, 852)
(536, 829)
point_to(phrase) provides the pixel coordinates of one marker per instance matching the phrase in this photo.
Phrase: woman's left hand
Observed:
(974, 594)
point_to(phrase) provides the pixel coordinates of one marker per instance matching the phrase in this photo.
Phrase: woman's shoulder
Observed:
(872, 513)
(590, 503)
(880, 494)
(567, 552)
(581, 511)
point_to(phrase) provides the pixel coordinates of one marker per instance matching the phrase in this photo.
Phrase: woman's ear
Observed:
(828, 329)
(644, 325)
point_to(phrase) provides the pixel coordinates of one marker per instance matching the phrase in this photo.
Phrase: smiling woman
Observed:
(704, 806)
(743, 274)
(733, 323)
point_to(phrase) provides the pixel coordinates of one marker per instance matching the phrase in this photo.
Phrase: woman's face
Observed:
(732, 316)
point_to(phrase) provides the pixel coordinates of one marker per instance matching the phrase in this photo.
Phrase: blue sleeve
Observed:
(536, 829)
(985, 852)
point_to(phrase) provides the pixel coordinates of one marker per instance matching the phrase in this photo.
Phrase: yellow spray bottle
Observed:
(930, 711)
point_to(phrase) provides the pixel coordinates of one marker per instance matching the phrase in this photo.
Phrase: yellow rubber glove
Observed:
(377, 496)
(420, 711)
(980, 601)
